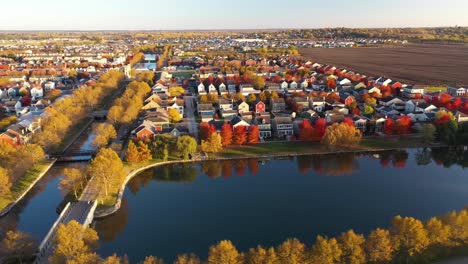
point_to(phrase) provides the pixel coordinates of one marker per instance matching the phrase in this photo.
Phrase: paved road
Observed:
(190, 120)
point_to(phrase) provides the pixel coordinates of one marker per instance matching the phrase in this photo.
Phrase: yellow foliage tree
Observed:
(379, 246)
(5, 184)
(103, 133)
(224, 252)
(174, 115)
(74, 244)
(212, 144)
(342, 134)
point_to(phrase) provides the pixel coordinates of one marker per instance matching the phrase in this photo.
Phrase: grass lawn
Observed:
(285, 148)
(24, 183)
(184, 74)
(432, 89)
(391, 143)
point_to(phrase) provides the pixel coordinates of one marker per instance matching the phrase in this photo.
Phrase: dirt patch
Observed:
(414, 64)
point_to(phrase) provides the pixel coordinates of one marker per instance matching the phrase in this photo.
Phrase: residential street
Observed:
(190, 119)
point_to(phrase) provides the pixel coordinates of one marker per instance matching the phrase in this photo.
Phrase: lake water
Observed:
(186, 208)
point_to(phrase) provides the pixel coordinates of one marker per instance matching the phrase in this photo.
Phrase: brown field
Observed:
(415, 64)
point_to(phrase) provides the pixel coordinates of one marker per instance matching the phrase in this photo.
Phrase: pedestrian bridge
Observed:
(73, 156)
(80, 211)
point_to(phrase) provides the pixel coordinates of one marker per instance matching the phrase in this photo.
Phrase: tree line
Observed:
(408, 240)
(71, 110)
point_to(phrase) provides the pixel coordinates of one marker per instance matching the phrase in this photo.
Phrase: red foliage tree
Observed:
(306, 131)
(443, 119)
(457, 103)
(253, 135)
(445, 99)
(331, 83)
(205, 130)
(226, 134)
(356, 111)
(348, 121)
(239, 136)
(320, 127)
(403, 125)
(26, 101)
(388, 126)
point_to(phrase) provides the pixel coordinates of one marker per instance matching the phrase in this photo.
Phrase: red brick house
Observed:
(260, 107)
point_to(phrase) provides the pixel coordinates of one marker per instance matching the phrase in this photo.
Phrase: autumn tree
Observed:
(205, 130)
(306, 131)
(388, 127)
(438, 233)
(224, 252)
(74, 244)
(186, 145)
(403, 125)
(226, 134)
(320, 128)
(174, 115)
(379, 247)
(176, 91)
(17, 246)
(342, 134)
(253, 135)
(351, 245)
(239, 136)
(72, 181)
(107, 169)
(144, 153)
(458, 222)
(325, 251)
(152, 260)
(5, 184)
(291, 251)
(409, 235)
(260, 255)
(103, 133)
(131, 155)
(212, 144)
(187, 259)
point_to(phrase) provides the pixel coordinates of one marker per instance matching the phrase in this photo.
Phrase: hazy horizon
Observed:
(206, 15)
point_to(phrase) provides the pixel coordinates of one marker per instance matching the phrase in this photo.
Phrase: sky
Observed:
(230, 14)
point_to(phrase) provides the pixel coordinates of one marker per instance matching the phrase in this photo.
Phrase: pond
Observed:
(186, 208)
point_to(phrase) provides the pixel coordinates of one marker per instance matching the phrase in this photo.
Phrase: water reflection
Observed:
(110, 227)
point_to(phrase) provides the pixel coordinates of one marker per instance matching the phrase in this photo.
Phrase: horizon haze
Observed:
(144, 15)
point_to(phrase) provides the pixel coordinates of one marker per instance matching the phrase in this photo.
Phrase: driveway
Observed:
(190, 120)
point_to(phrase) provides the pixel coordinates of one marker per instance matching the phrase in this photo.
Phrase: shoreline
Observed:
(9, 207)
(108, 211)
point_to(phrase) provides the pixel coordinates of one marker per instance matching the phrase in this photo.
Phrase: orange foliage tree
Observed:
(239, 136)
(253, 135)
(226, 134)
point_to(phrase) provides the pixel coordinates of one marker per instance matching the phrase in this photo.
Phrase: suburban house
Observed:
(201, 89)
(264, 125)
(413, 92)
(145, 131)
(179, 108)
(457, 91)
(389, 101)
(225, 104)
(150, 105)
(212, 89)
(301, 102)
(461, 117)
(222, 89)
(231, 87)
(237, 121)
(317, 103)
(360, 123)
(282, 126)
(260, 107)
(206, 111)
(277, 105)
(243, 107)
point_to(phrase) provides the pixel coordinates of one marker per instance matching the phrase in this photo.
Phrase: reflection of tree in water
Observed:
(332, 165)
(240, 166)
(399, 158)
(226, 168)
(8, 222)
(212, 168)
(141, 180)
(185, 172)
(423, 156)
(110, 227)
(450, 156)
(253, 166)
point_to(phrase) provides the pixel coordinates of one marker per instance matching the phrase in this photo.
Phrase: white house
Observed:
(304, 84)
(201, 89)
(37, 92)
(457, 91)
(212, 89)
(293, 85)
(284, 85)
(179, 108)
